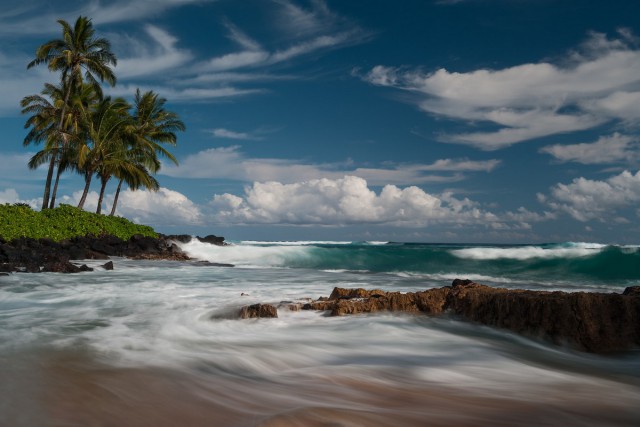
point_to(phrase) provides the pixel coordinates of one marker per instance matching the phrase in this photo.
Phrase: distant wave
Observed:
(565, 250)
(546, 263)
(307, 243)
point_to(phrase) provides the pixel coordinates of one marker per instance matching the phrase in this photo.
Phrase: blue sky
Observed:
(438, 121)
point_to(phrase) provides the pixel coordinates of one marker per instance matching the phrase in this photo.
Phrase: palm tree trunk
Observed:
(87, 184)
(115, 199)
(55, 188)
(47, 184)
(103, 181)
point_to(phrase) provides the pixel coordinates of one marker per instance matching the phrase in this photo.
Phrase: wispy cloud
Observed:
(40, 18)
(230, 134)
(145, 60)
(158, 56)
(231, 163)
(613, 149)
(593, 85)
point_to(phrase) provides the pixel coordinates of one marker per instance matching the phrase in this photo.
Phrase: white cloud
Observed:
(39, 18)
(230, 134)
(597, 84)
(586, 199)
(165, 207)
(9, 195)
(183, 95)
(349, 200)
(298, 21)
(162, 208)
(149, 60)
(343, 201)
(230, 163)
(616, 148)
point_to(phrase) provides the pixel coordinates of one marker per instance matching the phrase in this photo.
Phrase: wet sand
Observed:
(73, 389)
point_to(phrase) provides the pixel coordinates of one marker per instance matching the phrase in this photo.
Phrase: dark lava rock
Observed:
(182, 238)
(65, 267)
(108, 265)
(211, 239)
(29, 255)
(258, 311)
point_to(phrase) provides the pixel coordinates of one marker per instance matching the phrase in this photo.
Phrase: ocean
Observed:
(156, 343)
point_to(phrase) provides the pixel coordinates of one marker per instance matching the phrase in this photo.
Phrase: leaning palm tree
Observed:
(60, 144)
(106, 124)
(152, 126)
(76, 52)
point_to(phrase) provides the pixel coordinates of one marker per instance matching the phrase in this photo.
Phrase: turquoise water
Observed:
(156, 342)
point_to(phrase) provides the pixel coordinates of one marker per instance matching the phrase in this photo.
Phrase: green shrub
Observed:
(64, 222)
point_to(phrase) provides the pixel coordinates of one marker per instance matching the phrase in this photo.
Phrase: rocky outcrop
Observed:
(213, 240)
(257, 311)
(593, 322)
(36, 255)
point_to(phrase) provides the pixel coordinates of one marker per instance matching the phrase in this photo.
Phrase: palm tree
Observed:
(46, 109)
(107, 124)
(79, 103)
(152, 126)
(76, 52)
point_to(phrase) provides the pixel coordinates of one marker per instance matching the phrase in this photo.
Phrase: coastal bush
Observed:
(64, 222)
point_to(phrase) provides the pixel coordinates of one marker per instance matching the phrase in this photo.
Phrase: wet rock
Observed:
(258, 311)
(632, 290)
(181, 238)
(213, 240)
(65, 267)
(108, 266)
(29, 255)
(593, 322)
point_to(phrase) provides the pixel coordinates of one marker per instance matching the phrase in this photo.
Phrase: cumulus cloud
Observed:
(616, 148)
(231, 163)
(9, 195)
(593, 85)
(344, 201)
(586, 199)
(164, 207)
(349, 200)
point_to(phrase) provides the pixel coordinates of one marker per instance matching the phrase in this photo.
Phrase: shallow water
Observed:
(154, 343)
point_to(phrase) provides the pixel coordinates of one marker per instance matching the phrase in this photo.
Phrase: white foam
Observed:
(529, 252)
(293, 243)
(245, 255)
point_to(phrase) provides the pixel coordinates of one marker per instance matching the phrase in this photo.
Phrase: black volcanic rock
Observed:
(181, 238)
(211, 239)
(35, 255)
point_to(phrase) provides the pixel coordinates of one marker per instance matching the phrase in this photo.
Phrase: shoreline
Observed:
(28, 255)
(586, 321)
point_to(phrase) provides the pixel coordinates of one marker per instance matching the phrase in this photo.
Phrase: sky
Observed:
(495, 121)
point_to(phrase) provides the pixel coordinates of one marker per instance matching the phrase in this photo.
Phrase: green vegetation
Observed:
(64, 222)
(86, 132)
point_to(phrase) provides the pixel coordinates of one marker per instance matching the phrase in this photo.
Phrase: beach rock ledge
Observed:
(586, 321)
